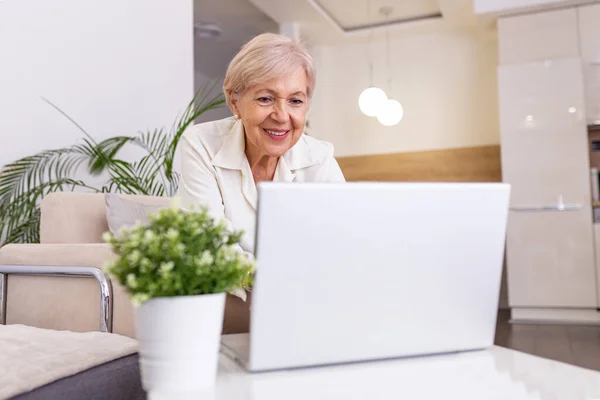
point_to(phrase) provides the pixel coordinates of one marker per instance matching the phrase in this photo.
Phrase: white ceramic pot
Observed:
(179, 339)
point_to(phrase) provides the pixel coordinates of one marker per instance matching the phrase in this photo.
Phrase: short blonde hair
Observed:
(265, 57)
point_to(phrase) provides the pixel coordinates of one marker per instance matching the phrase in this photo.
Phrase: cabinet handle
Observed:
(559, 207)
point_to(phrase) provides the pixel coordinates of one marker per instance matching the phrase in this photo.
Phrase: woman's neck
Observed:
(262, 166)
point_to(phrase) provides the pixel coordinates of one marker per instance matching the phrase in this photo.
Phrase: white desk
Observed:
(497, 373)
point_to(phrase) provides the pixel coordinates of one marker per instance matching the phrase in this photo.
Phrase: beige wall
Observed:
(446, 81)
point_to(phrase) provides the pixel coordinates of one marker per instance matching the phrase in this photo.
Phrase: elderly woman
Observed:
(268, 87)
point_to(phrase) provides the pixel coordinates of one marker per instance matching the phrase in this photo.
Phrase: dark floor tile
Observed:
(524, 344)
(555, 348)
(552, 331)
(573, 344)
(584, 333)
(588, 362)
(585, 348)
(588, 329)
(523, 327)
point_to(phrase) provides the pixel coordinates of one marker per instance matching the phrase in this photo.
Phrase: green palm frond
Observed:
(155, 142)
(150, 173)
(126, 179)
(22, 175)
(28, 231)
(100, 153)
(21, 214)
(105, 152)
(140, 177)
(151, 166)
(201, 103)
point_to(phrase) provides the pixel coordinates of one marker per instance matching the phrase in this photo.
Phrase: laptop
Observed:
(353, 272)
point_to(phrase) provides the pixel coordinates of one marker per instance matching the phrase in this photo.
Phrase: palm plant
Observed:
(24, 182)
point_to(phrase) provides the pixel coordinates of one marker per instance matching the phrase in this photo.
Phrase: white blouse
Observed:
(215, 172)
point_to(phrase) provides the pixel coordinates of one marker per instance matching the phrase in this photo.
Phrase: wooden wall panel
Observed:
(469, 164)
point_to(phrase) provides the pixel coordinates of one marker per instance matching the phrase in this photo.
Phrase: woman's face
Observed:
(273, 113)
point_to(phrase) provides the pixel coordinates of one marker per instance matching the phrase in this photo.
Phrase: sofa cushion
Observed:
(125, 212)
(76, 217)
(32, 357)
(72, 217)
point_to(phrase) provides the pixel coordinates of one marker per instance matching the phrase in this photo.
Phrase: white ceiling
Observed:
(325, 22)
(366, 12)
(239, 21)
(320, 21)
(335, 21)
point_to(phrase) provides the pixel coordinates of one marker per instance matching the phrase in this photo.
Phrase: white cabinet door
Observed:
(550, 254)
(550, 260)
(540, 36)
(589, 32)
(592, 91)
(589, 39)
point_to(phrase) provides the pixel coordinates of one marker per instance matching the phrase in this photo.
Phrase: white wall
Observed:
(117, 67)
(445, 80)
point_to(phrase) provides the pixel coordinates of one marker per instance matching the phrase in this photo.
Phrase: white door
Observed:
(550, 246)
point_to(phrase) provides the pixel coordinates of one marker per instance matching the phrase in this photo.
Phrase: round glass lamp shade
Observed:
(390, 113)
(371, 100)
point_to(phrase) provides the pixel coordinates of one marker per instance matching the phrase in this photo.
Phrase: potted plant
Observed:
(177, 269)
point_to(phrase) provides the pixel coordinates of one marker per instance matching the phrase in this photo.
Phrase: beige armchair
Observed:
(78, 296)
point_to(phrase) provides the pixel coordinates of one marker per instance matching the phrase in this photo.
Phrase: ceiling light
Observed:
(371, 100)
(391, 113)
(207, 30)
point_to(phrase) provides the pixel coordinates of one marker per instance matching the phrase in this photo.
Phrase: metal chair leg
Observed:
(3, 289)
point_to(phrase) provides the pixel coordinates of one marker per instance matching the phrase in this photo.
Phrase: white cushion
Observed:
(122, 212)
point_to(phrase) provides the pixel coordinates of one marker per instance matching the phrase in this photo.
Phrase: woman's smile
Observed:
(277, 134)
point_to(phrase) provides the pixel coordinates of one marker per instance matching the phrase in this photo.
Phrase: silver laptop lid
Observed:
(361, 271)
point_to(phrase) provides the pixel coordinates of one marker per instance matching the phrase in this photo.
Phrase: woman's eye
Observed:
(297, 101)
(264, 100)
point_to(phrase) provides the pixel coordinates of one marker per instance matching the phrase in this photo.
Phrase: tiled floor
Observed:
(573, 344)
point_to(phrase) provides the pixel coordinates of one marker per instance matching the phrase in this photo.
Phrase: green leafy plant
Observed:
(23, 183)
(178, 253)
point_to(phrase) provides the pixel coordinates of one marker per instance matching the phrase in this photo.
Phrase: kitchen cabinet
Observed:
(544, 140)
(589, 31)
(540, 36)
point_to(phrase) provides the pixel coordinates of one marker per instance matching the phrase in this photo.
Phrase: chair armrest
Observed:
(72, 254)
(106, 296)
(64, 260)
